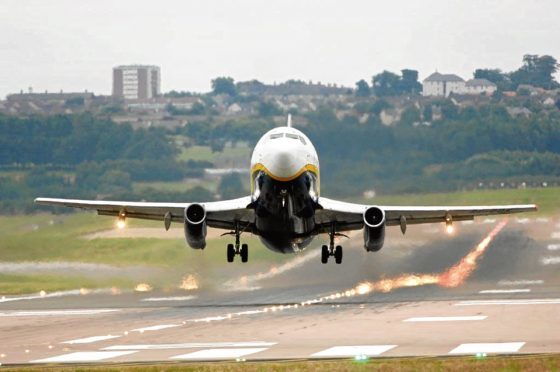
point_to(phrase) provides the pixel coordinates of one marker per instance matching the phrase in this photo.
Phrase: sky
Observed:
(73, 45)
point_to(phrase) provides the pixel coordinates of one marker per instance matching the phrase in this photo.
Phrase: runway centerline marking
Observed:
(445, 318)
(551, 260)
(57, 312)
(155, 328)
(520, 282)
(544, 301)
(496, 291)
(497, 347)
(89, 340)
(351, 351)
(219, 353)
(191, 345)
(176, 298)
(83, 356)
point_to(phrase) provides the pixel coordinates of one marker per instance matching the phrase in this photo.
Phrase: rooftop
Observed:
(436, 76)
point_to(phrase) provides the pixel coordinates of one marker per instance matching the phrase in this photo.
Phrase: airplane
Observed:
(285, 208)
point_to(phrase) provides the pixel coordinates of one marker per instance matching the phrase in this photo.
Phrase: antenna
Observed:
(289, 123)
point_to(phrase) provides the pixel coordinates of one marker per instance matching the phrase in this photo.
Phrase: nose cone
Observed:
(285, 161)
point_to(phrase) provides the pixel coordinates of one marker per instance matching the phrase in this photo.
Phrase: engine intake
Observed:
(195, 226)
(374, 229)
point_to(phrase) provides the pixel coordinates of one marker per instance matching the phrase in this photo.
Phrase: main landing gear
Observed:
(331, 250)
(237, 249)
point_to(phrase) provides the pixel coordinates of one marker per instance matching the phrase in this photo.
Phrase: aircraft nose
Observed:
(283, 163)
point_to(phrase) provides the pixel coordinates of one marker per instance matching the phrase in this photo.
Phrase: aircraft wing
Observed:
(349, 216)
(220, 214)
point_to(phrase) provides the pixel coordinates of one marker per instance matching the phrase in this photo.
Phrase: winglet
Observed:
(289, 123)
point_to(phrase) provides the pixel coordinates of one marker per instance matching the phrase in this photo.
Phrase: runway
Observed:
(424, 294)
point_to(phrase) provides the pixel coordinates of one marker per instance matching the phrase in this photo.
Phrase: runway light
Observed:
(27, 351)
(2, 355)
(50, 346)
(189, 283)
(42, 293)
(143, 287)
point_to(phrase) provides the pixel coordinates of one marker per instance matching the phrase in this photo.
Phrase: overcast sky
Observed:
(73, 45)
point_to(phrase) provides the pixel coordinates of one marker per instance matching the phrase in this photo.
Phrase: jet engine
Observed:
(195, 226)
(374, 229)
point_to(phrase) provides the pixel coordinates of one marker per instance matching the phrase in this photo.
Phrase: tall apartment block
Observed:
(136, 81)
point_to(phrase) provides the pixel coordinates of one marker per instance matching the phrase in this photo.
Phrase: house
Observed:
(480, 86)
(442, 85)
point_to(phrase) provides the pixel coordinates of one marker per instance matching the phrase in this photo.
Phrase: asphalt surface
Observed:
(505, 299)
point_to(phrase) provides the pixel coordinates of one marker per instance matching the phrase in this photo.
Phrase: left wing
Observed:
(221, 214)
(349, 216)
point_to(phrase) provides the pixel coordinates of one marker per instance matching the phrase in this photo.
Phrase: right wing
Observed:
(349, 216)
(221, 214)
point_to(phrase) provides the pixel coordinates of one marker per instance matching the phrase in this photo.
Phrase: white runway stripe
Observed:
(218, 354)
(89, 340)
(84, 356)
(520, 282)
(177, 298)
(446, 318)
(544, 301)
(555, 260)
(156, 327)
(191, 345)
(351, 351)
(553, 247)
(57, 312)
(494, 291)
(497, 348)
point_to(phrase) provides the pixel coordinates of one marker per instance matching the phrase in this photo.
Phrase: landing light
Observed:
(449, 229)
(121, 223)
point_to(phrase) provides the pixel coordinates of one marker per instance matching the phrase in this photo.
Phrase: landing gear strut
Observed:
(331, 250)
(237, 249)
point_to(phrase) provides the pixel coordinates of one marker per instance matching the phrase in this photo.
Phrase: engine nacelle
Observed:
(195, 226)
(374, 229)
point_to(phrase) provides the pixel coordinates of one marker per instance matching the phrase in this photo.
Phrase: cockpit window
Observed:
(292, 136)
(276, 135)
(302, 140)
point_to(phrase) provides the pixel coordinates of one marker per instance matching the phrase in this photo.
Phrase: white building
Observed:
(442, 85)
(136, 81)
(480, 86)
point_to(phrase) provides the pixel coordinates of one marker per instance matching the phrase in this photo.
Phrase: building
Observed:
(136, 82)
(480, 86)
(442, 85)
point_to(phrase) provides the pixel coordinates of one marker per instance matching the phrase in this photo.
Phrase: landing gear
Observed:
(237, 249)
(330, 250)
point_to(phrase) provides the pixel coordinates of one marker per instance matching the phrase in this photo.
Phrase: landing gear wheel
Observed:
(338, 254)
(325, 254)
(230, 252)
(244, 252)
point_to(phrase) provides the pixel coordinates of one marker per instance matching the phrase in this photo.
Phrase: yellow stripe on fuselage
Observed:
(308, 167)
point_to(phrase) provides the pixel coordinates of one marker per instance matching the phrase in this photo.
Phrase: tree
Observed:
(230, 186)
(224, 85)
(496, 76)
(386, 84)
(536, 70)
(362, 88)
(409, 82)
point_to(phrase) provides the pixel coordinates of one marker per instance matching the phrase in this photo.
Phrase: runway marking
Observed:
(57, 312)
(555, 235)
(552, 260)
(192, 345)
(542, 220)
(84, 356)
(497, 348)
(176, 298)
(553, 247)
(156, 327)
(489, 220)
(496, 291)
(350, 351)
(219, 353)
(520, 282)
(545, 301)
(446, 318)
(89, 340)
(522, 221)
(75, 292)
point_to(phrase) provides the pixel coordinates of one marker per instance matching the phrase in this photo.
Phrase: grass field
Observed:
(545, 362)
(235, 157)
